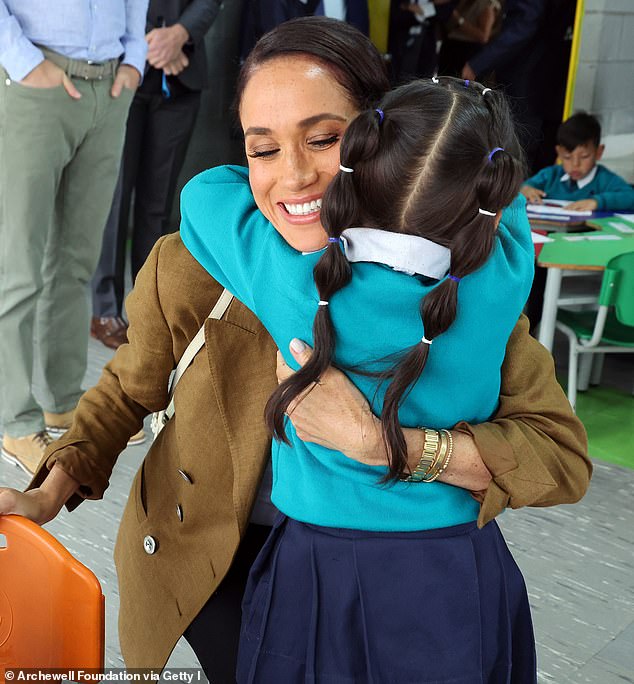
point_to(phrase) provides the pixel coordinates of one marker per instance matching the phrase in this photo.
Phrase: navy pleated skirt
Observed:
(355, 607)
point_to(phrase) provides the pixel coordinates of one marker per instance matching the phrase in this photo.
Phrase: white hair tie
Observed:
(434, 79)
(485, 91)
(426, 341)
(345, 169)
(487, 213)
(322, 302)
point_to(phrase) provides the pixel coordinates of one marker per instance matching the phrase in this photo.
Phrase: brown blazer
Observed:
(535, 447)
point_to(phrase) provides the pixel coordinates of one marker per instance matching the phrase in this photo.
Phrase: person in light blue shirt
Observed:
(580, 179)
(68, 71)
(93, 31)
(404, 276)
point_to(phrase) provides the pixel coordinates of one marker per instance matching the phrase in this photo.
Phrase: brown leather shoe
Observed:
(25, 452)
(110, 330)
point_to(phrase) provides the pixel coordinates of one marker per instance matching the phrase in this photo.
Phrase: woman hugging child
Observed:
(413, 290)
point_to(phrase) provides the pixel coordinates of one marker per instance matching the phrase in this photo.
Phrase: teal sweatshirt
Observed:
(377, 314)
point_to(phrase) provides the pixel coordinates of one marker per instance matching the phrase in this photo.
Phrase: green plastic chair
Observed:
(608, 330)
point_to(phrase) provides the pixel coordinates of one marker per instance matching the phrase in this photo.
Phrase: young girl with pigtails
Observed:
(372, 573)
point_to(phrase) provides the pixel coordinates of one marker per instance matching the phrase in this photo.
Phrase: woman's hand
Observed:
(42, 503)
(34, 504)
(333, 413)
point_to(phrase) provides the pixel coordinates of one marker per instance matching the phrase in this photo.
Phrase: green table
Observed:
(578, 251)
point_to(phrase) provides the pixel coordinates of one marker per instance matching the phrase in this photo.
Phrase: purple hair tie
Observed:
(334, 239)
(454, 278)
(466, 83)
(381, 115)
(493, 151)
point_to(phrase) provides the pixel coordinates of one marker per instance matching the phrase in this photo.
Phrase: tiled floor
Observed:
(578, 562)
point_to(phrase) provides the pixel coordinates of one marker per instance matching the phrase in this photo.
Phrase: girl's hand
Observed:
(333, 413)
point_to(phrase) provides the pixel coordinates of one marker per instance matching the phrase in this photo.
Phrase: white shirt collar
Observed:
(582, 182)
(407, 253)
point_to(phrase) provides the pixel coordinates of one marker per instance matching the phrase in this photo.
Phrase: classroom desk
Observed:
(568, 252)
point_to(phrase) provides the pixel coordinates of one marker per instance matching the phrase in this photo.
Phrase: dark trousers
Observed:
(215, 632)
(157, 136)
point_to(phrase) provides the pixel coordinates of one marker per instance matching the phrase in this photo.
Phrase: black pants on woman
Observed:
(215, 632)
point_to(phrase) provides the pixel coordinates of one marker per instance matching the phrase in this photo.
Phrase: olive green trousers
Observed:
(59, 160)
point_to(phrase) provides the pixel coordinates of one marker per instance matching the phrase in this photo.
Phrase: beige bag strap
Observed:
(160, 418)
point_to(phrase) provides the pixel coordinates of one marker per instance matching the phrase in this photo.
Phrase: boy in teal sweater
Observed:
(588, 185)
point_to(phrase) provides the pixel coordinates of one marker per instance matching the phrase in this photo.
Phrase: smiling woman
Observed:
(292, 159)
(196, 517)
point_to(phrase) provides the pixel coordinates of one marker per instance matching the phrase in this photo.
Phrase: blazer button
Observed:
(149, 545)
(185, 476)
(179, 512)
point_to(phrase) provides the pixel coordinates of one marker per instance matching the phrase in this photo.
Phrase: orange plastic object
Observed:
(51, 606)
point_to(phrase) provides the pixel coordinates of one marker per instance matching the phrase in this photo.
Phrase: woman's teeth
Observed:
(303, 209)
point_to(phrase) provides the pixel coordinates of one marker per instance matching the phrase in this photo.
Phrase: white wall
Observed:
(605, 77)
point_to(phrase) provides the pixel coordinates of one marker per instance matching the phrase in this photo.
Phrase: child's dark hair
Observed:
(422, 165)
(580, 129)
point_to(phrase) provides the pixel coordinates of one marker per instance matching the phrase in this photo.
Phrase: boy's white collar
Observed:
(582, 182)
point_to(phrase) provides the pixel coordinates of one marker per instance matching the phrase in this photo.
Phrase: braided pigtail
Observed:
(340, 210)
